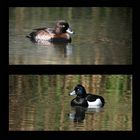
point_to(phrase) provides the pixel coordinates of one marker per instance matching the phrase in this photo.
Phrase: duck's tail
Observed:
(28, 36)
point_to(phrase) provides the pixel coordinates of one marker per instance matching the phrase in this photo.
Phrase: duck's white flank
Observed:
(95, 104)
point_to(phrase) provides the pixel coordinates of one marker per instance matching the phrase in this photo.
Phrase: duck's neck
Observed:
(80, 97)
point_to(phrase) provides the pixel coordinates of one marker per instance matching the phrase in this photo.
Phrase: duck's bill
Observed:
(72, 93)
(69, 30)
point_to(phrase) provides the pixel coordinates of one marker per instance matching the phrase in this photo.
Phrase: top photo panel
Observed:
(70, 35)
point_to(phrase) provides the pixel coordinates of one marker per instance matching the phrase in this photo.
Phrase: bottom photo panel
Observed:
(70, 102)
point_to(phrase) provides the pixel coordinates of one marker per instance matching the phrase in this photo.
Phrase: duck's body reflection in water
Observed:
(78, 113)
(63, 49)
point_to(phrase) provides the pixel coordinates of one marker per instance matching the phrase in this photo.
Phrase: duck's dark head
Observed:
(79, 90)
(62, 27)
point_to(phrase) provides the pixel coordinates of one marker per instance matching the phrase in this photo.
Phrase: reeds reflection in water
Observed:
(41, 102)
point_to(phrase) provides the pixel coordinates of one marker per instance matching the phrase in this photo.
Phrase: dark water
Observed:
(103, 35)
(41, 102)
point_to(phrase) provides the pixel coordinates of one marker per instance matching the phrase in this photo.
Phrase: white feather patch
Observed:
(95, 104)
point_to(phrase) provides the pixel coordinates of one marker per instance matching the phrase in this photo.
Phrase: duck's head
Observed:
(79, 90)
(62, 27)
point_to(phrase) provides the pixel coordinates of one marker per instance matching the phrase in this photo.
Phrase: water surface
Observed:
(103, 35)
(41, 102)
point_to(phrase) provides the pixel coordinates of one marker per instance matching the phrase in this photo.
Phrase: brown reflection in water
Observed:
(41, 102)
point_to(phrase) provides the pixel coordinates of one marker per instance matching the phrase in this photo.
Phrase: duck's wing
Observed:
(50, 30)
(90, 98)
(37, 29)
